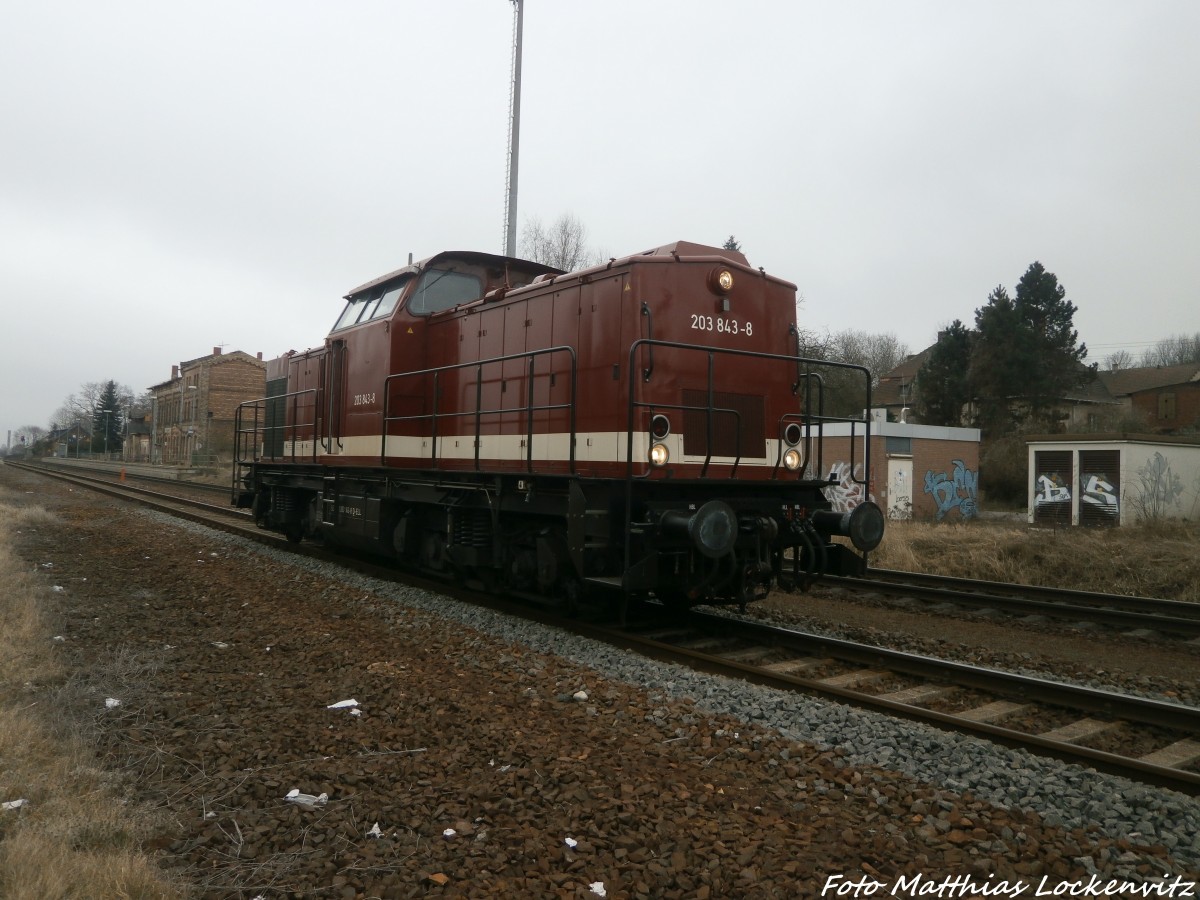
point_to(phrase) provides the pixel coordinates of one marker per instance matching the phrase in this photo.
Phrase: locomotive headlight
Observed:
(660, 427)
(720, 281)
(792, 459)
(659, 455)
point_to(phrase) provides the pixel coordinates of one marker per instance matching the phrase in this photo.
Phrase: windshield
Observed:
(377, 304)
(444, 289)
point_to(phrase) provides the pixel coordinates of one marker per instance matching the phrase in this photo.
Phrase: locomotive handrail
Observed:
(246, 439)
(819, 420)
(795, 332)
(806, 417)
(649, 370)
(334, 364)
(528, 409)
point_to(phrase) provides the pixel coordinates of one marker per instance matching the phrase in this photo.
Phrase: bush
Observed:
(1004, 469)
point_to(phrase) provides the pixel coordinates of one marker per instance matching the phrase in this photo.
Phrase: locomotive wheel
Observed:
(293, 531)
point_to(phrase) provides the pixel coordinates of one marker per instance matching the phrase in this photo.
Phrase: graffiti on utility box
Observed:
(1097, 491)
(1051, 489)
(959, 490)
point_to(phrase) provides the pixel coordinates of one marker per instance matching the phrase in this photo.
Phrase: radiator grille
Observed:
(737, 425)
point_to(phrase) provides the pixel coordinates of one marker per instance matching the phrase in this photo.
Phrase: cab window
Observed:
(387, 303)
(444, 289)
(351, 313)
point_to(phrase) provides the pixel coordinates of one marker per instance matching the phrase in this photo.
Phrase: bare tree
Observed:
(562, 245)
(80, 407)
(1122, 359)
(31, 433)
(845, 390)
(879, 353)
(1177, 350)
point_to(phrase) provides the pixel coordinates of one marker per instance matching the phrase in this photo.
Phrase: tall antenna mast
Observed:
(514, 135)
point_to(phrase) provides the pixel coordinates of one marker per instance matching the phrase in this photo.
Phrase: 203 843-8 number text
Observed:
(721, 325)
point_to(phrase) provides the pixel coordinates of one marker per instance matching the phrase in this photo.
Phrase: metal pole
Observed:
(514, 138)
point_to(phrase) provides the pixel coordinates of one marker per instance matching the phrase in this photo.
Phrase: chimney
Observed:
(216, 351)
(174, 372)
(260, 355)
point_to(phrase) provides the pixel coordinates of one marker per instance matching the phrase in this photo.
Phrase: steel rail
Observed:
(1032, 690)
(1170, 616)
(1081, 598)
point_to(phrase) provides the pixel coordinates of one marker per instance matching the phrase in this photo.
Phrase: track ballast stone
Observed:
(469, 767)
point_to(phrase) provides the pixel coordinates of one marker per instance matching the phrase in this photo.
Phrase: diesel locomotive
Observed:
(644, 428)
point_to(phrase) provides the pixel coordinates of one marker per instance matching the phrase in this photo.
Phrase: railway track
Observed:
(1142, 614)
(1146, 740)
(116, 473)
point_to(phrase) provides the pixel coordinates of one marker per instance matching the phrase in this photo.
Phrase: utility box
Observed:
(1113, 479)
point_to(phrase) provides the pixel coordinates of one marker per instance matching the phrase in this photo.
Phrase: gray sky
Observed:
(174, 176)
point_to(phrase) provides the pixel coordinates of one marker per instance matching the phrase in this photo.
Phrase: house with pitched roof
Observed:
(194, 410)
(1157, 399)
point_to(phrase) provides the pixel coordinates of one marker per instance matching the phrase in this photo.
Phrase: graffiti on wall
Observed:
(844, 492)
(1161, 488)
(1097, 491)
(1051, 489)
(954, 491)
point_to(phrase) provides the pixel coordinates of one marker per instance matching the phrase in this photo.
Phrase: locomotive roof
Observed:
(676, 250)
(469, 256)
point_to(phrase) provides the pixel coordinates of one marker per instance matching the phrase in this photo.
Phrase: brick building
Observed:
(1172, 406)
(927, 472)
(192, 421)
(137, 443)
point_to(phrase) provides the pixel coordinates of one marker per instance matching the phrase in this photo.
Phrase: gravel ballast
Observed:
(487, 756)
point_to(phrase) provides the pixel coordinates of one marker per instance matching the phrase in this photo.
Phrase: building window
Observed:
(1166, 405)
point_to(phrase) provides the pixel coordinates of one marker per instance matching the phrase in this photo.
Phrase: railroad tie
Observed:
(990, 712)
(853, 679)
(792, 666)
(749, 654)
(918, 694)
(1077, 731)
(702, 644)
(1176, 755)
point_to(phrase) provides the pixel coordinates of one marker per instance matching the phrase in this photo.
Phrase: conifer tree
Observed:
(1024, 357)
(106, 419)
(943, 388)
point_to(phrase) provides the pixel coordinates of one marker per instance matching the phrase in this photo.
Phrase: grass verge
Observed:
(75, 836)
(1137, 560)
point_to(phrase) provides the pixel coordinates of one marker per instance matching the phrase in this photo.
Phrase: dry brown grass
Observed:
(1148, 561)
(75, 837)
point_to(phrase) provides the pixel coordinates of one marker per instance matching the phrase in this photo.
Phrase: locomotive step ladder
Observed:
(329, 500)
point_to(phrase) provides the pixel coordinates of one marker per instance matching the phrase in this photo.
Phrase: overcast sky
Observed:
(176, 176)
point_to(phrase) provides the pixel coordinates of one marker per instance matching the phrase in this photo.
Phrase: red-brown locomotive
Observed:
(644, 427)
